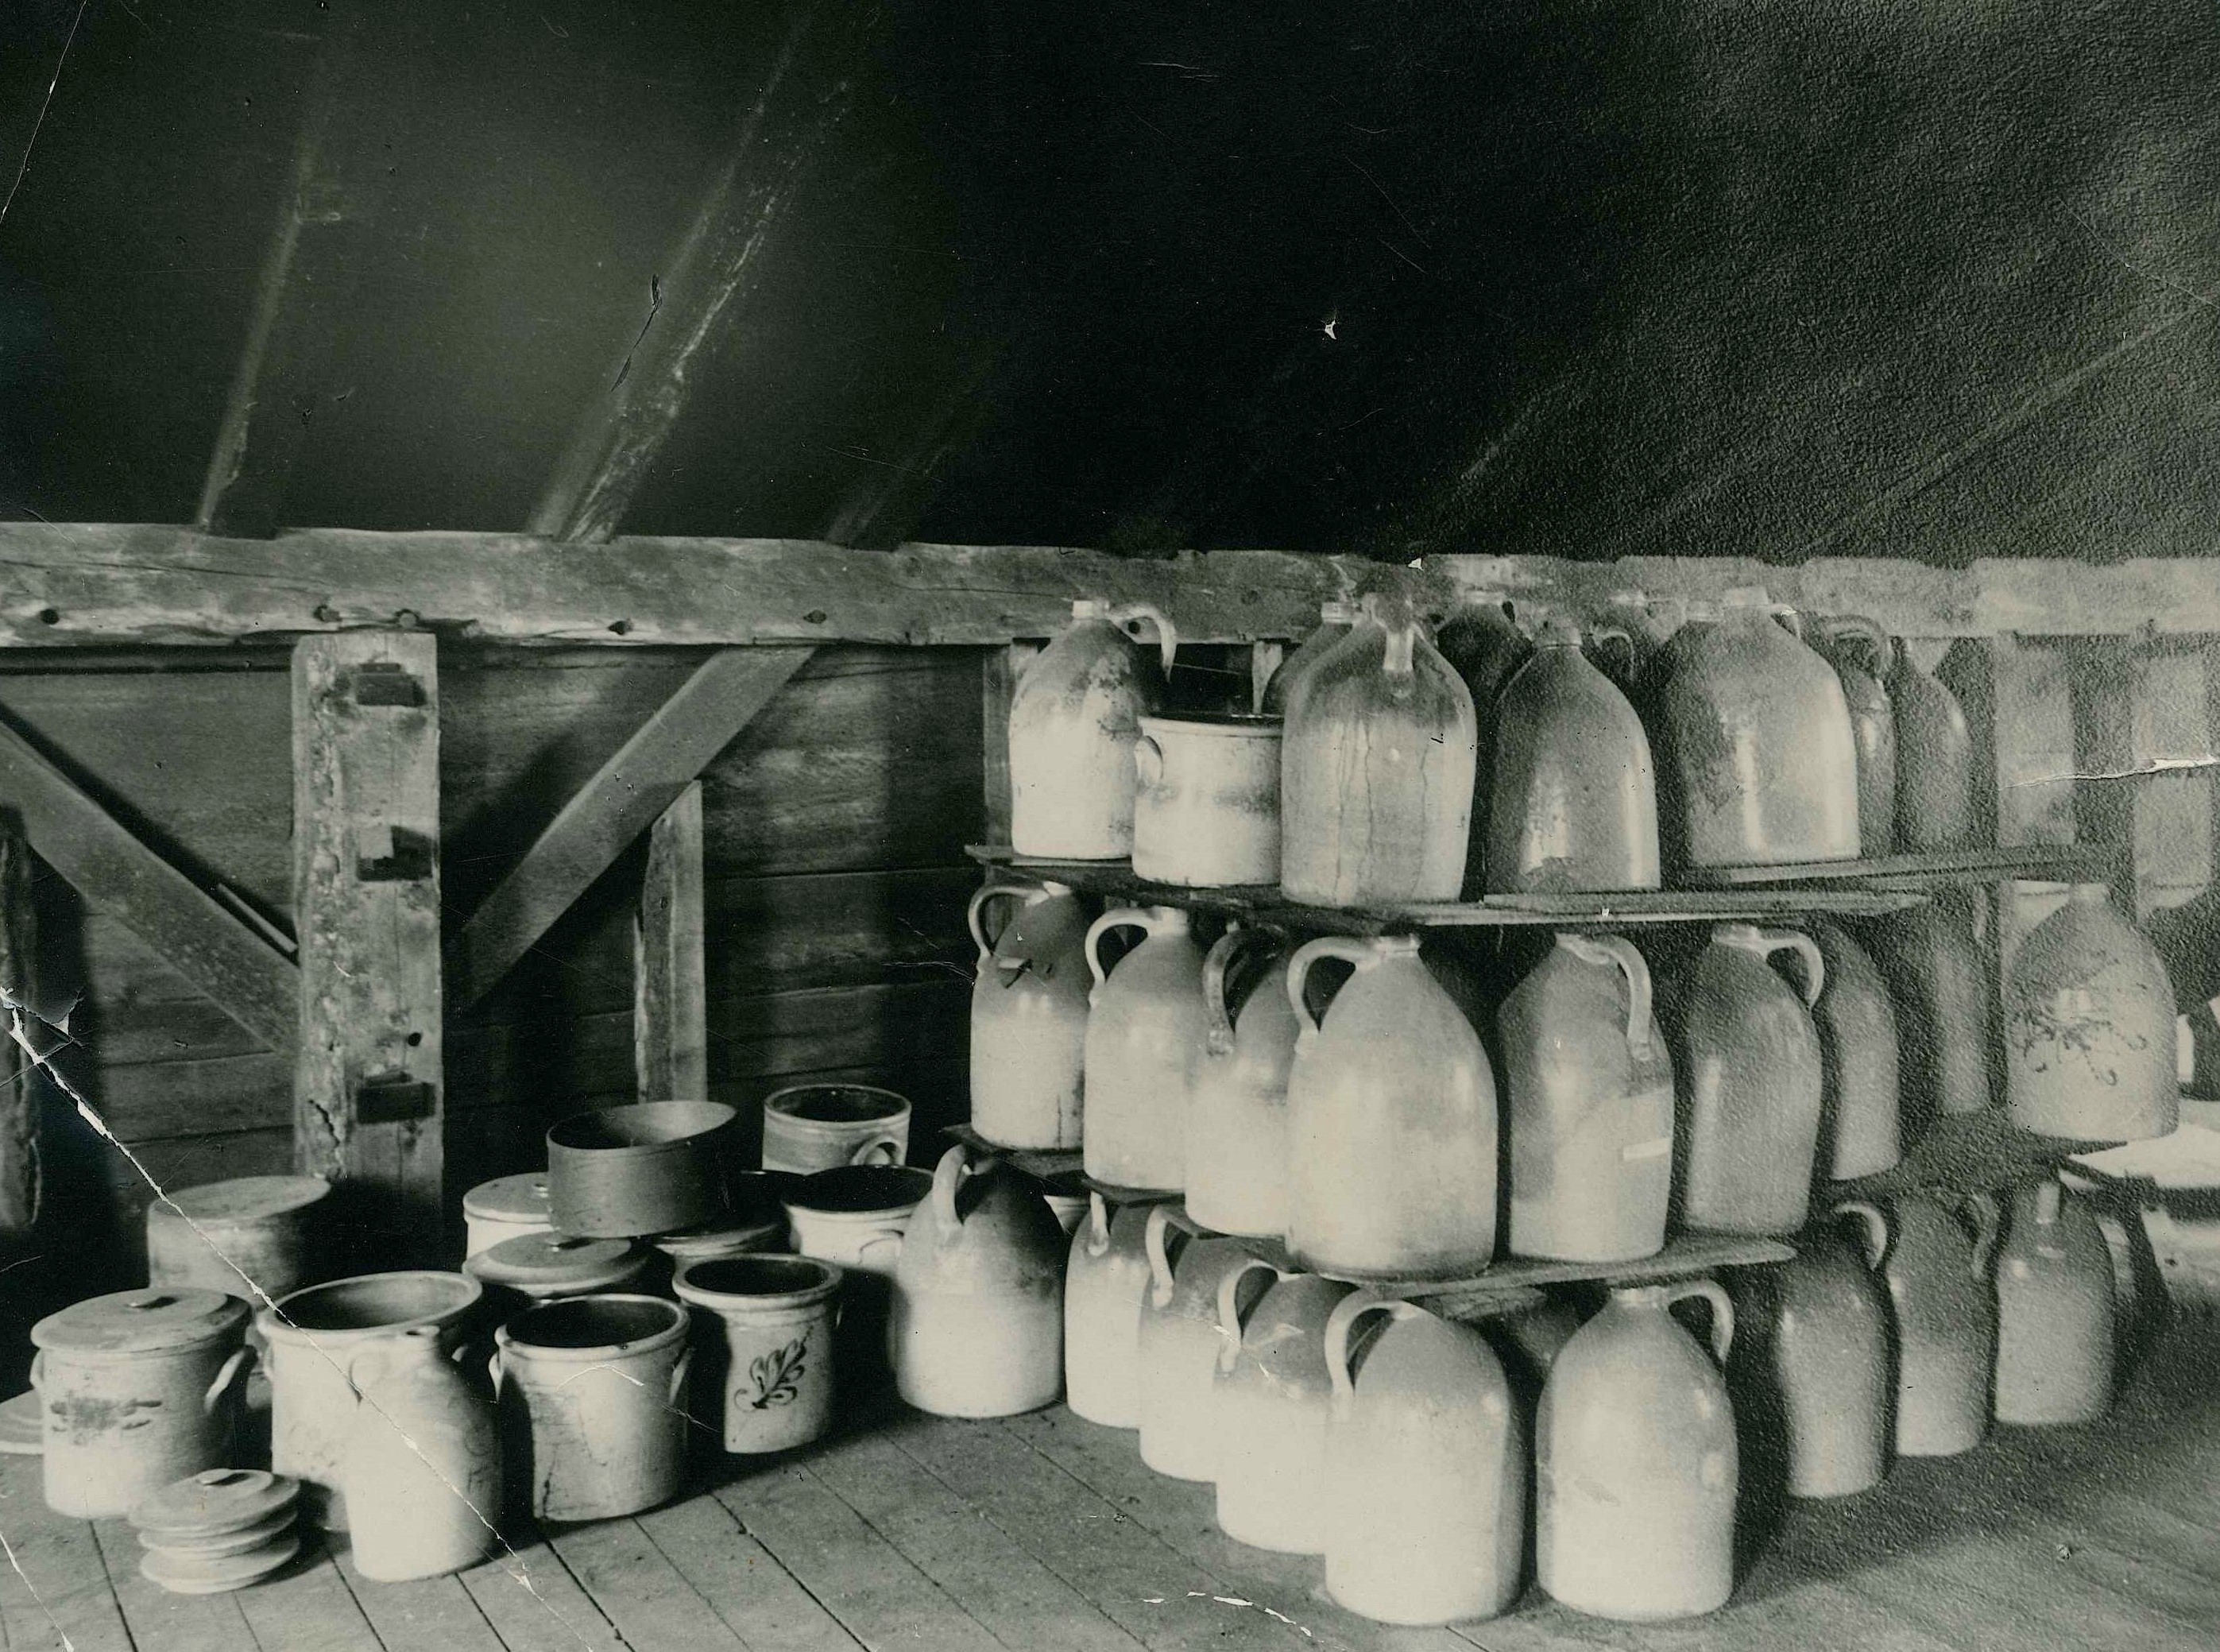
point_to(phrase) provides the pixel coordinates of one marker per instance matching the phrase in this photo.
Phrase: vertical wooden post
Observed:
(998, 674)
(367, 1088)
(671, 1016)
(2143, 736)
(2021, 708)
(21, 1175)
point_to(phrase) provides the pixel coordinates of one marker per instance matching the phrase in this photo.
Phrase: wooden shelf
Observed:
(1973, 1152)
(1266, 907)
(1041, 1163)
(1943, 868)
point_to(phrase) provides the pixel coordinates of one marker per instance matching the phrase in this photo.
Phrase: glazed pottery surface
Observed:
(2089, 1028)
(1813, 1359)
(314, 1336)
(1934, 762)
(215, 1503)
(1146, 1025)
(1749, 1058)
(1074, 718)
(1635, 1463)
(504, 1208)
(423, 1469)
(1588, 1104)
(1376, 770)
(1207, 814)
(855, 1218)
(1763, 753)
(811, 1127)
(1029, 1017)
(1391, 1119)
(2054, 1311)
(1945, 1310)
(655, 1167)
(1862, 653)
(1335, 620)
(542, 1266)
(1236, 1141)
(1178, 1342)
(1860, 1129)
(1941, 985)
(769, 1361)
(219, 1236)
(1105, 1281)
(1573, 798)
(137, 1389)
(1425, 1469)
(977, 1325)
(1273, 1398)
(592, 1394)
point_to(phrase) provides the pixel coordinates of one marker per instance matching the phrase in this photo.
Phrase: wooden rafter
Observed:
(612, 808)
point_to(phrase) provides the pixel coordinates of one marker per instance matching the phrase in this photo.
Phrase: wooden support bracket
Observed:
(612, 808)
(671, 1014)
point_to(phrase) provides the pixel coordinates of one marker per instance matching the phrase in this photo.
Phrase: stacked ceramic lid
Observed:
(219, 1530)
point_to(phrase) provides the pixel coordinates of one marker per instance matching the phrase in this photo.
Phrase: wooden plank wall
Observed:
(835, 880)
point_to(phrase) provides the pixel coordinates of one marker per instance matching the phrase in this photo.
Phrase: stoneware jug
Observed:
(1764, 754)
(1933, 761)
(978, 1323)
(1635, 1462)
(1861, 653)
(1273, 1398)
(423, 1469)
(1237, 1143)
(1945, 1007)
(1335, 620)
(1146, 1026)
(2089, 1029)
(2054, 1311)
(1029, 1016)
(1573, 798)
(1207, 814)
(1588, 1104)
(1812, 1367)
(1376, 770)
(1937, 1271)
(1391, 1119)
(1484, 644)
(1425, 1469)
(1860, 1130)
(1178, 1343)
(1753, 1083)
(1105, 1281)
(1074, 718)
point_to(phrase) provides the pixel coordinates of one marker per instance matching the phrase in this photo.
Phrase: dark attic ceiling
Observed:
(1590, 279)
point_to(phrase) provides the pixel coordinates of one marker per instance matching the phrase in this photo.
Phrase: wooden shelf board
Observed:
(1040, 1164)
(1940, 870)
(1967, 1153)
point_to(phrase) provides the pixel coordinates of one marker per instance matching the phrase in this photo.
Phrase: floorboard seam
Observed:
(739, 1522)
(699, 1593)
(130, 1638)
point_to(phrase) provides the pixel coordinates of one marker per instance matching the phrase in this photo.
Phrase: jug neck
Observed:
(1337, 613)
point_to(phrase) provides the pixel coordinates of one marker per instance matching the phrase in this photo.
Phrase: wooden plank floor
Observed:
(1042, 1533)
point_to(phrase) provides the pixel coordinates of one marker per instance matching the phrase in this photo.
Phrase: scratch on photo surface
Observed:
(33, 141)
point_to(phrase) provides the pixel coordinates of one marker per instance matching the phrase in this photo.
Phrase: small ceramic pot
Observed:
(222, 1235)
(1207, 813)
(811, 1127)
(505, 1208)
(656, 1167)
(772, 1369)
(591, 1390)
(854, 1217)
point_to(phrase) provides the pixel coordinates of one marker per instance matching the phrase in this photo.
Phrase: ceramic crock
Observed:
(1273, 1395)
(1236, 1134)
(1029, 1016)
(1074, 718)
(655, 1167)
(1147, 1023)
(811, 1127)
(1207, 813)
(770, 1366)
(504, 1208)
(592, 1391)
(854, 1217)
(222, 1235)
(1106, 1277)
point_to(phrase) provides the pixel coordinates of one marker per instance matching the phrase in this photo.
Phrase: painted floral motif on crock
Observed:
(777, 1375)
(2078, 1019)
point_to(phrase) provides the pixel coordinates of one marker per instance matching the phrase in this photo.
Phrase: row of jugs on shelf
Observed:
(1403, 1459)
(1402, 763)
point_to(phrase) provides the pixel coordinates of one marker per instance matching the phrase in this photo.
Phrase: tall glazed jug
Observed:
(1073, 719)
(1861, 653)
(1635, 1462)
(1273, 1397)
(1861, 1127)
(1938, 1274)
(1761, 743)
(2054, 1311)
(1334, 621)
(1376, 770)
(1029, 1017)
(1105, 1281)
(1391, 1115)
(1573, 801)
(1147, 1024)
(1933, 761)
(2089, 1037)
(1179, 1342)
(1749, 1063)
(1237, 1143)
(1589, 1105)
(1944, 1004)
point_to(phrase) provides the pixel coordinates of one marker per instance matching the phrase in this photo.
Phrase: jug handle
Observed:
(1342, 1320)
(1346, 947)
(1167, 633)
(1988, 1228)
(1870, 1217)
(1791, 618)
(1815, 970)
(1148, 762)
(880, 1149)
(225, 1377)
(495, 1369)
(1723, 1319)
(947, 1176)
(892, 1240)
(1616, 949)
(1215, 963)
(978, 910)
(1866, 630)
(1161, 1217)
(1599, 635)
(1098, 1224)
(1229, 1309)
(1116, 918)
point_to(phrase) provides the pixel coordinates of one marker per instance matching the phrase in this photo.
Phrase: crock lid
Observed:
(542, 1261)
(142, 1321)
(244, 1199)
(215, 1501)
(723, 1241)
(1233, 725)
(509, 1198)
